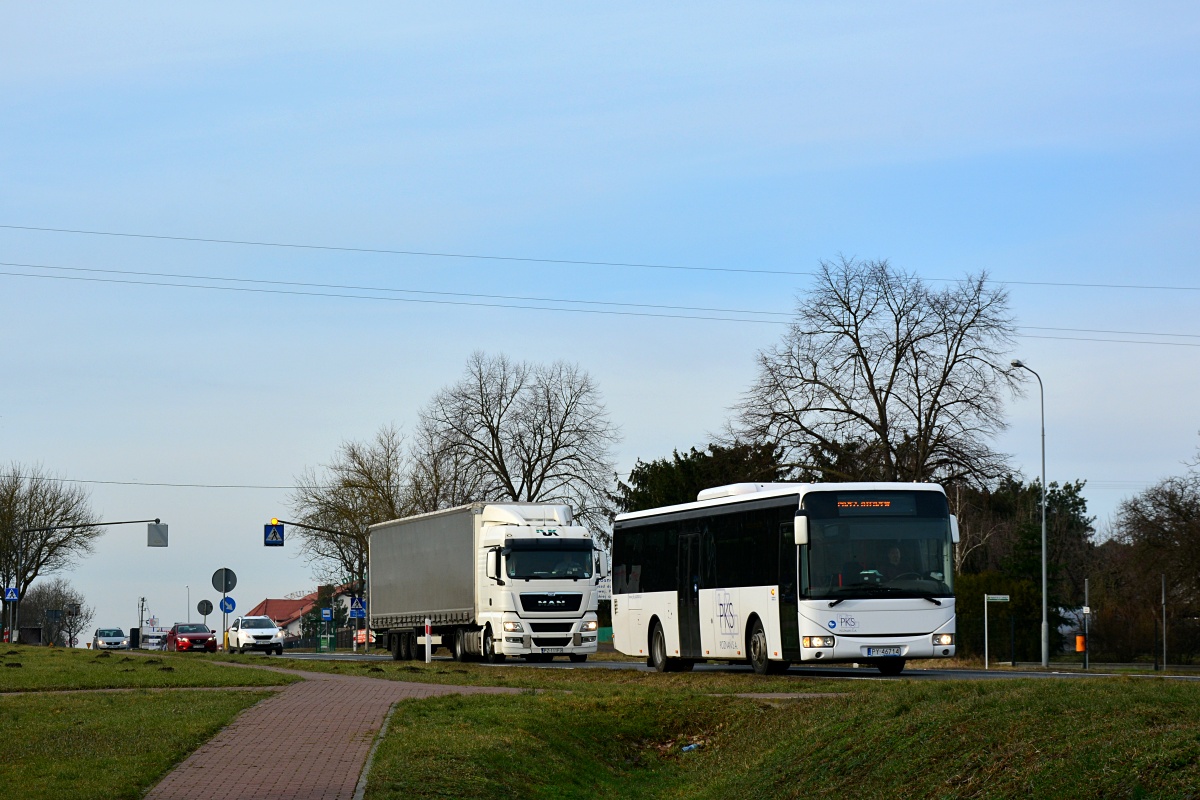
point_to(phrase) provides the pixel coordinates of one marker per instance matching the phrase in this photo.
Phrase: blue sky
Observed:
(1041, 144)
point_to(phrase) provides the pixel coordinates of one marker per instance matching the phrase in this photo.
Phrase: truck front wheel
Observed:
(489, 648)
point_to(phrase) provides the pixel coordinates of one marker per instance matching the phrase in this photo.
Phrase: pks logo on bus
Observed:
(727, 613)
(845, 620)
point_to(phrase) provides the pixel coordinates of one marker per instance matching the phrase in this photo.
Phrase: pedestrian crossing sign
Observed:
(11, 595)
(273, 534)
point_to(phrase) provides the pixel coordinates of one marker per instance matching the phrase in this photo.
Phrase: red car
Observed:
(190, 637)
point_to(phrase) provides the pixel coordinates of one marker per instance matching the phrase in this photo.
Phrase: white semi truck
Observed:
(491, 579)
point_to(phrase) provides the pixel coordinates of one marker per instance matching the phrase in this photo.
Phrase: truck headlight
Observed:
(943, 639)
(818, 641)
(514, 627)
(590, 625)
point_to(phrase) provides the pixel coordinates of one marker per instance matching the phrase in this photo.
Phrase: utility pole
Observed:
(1163, 577)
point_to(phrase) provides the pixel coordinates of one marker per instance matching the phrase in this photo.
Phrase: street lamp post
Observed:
(189, 604)
(1045, 619)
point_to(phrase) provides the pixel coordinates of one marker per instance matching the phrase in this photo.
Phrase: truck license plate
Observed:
(552, 650)
(883, 651)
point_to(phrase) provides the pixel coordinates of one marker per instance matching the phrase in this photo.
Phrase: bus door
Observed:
(688, 572)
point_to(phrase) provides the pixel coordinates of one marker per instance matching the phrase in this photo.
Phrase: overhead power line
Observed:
(540, 260)
(476, 304)
(392, 290)
(517, 298)
(481, 298)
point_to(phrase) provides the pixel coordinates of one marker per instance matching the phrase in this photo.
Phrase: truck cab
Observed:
(539, 596)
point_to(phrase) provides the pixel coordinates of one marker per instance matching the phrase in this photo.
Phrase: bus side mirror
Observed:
(801, 529)
(954, 529)
(493, 566)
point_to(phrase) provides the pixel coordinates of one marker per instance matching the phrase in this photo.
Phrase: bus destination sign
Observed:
(860, 504)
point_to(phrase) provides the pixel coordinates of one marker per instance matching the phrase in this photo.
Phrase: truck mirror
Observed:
(800, 529)
(954, 529)
(602, 559)
(493, 566)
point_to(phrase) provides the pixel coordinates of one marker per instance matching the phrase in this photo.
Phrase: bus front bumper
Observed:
(854, 648)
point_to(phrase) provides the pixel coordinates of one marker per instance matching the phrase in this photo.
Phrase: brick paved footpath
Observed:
(309, 741)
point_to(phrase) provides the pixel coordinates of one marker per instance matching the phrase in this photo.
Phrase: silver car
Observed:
(110, 639)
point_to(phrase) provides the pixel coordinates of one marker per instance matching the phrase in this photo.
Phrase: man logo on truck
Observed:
(548, 531)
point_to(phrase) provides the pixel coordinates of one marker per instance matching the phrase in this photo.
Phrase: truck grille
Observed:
(551, 601)
(551, 627)
(552, 641)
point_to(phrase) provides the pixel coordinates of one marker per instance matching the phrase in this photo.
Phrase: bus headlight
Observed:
(943, 639)
(818, 641)
(590, 625)
(514, 627)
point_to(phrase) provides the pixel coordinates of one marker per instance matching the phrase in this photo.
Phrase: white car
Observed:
(255, 633)
(110, 639)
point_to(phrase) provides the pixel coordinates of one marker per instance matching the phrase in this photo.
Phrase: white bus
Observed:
(777, 574)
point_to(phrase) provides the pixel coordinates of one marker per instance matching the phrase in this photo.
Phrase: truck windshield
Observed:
(877, 544)
(548, 563)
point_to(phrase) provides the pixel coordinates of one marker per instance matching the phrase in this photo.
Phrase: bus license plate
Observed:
(552, 650)
(883, 651)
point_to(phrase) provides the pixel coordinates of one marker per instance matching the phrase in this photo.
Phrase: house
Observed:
(289, 613)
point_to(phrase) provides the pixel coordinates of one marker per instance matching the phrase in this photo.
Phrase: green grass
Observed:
(105, 745)
(1106, 738)
(519, 676)
(25, 668)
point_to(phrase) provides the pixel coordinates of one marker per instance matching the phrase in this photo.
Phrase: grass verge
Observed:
(24, 669)
(1119, 737)
(106, 745)
(519, 676)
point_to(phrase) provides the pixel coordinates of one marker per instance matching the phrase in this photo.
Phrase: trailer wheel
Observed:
(458, 647)
(396, 640)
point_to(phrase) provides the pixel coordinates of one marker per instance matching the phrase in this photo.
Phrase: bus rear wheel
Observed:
(658, 650)
(890, 666)
(756, 649)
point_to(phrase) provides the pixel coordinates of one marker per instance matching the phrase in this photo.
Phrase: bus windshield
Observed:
(877, 544)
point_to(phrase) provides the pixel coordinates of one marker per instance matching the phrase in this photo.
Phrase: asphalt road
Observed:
(845, 672)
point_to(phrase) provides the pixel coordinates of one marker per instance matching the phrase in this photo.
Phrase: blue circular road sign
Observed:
(227, 605)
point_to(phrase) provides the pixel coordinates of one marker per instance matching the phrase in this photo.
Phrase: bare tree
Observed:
(439, 476)
(59, 609)
(32, 499)
(364, 484)
(881, 377)
(525, 432)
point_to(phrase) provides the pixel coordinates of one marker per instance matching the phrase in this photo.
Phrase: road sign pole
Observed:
(985, 632)
(428, 641)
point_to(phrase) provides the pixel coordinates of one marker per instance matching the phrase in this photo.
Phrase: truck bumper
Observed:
(516, 644)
